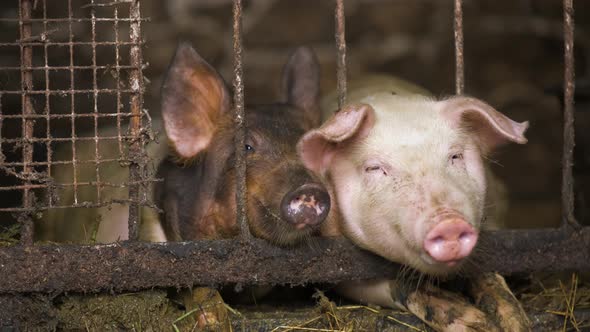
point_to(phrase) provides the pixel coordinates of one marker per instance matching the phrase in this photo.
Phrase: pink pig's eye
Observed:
(375, 168)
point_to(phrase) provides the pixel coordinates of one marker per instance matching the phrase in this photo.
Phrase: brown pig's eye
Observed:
(456, 157)
(248, 148)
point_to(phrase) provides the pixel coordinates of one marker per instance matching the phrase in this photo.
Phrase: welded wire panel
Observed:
(71, 107)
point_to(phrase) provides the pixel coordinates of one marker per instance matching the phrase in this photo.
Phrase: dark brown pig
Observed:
(285, 204)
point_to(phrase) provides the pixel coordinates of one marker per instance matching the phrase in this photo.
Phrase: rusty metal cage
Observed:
(31, 108)
(52, 51)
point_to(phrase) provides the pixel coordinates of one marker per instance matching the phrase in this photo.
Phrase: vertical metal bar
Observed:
(136, 103)
(26, 55)
(95, 105)
(47, 104)
(567, 188)
(341, 53)
(242, 218)
(72, 102)
(459, 64)
(118, 78)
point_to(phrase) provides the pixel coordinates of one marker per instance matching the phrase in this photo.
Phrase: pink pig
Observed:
(407, 176)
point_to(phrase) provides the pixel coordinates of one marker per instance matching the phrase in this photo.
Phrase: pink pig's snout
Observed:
(306, 206)
(450, 240)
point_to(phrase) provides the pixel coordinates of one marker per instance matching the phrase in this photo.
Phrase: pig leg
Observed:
(442, 310)
(207, 308)
(492, 295)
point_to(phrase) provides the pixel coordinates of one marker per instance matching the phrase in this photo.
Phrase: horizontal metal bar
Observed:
(66, 162)
(73, 19)
(79, 184)
(82, 205)
(65, 139)
(50, 68)
(74, 43)
(67, 92)
(133, 266)
(68, 116)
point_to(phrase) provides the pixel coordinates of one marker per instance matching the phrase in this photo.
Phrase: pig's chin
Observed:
(426, 264)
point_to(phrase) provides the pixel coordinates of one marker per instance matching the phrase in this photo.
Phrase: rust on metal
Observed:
(459, 61)
(118, 68)
(567, 185)
(26, 55)
(239, 120)
(340, 53)
(136, 146)
(48, 141)
(71, 92)
(132, 266)
(95, 105)
(77, 150)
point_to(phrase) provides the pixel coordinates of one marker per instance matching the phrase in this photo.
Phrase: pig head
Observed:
(407, 174)
(285, 203)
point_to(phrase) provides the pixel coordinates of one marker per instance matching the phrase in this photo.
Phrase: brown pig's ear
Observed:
(491, 127)
(317, 147)
(194, 97)
(301, 83)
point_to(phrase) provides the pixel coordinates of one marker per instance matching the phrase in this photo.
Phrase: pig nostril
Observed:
(306, 205)
(450, 240)
(438, 240)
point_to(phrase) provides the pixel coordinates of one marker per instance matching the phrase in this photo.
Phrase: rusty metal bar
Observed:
(61, 116)
(72, 102)
(118, 68)
(131, 266)
(56, 68)
(567, 185)
(136, 105)
(26, 55)
(459, 61)
(64, 44)
(239, 119)
(95, 105)
(48, 149)
(340, 53)
(67, 20)
(71, 91)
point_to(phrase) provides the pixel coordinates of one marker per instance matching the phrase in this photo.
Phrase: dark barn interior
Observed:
(514, 60)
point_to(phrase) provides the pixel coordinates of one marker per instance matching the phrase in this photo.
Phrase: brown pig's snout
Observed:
(306, 206)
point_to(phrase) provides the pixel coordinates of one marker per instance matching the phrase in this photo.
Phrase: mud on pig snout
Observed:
(307, 205)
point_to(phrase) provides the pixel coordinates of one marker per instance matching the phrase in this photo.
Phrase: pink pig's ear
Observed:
(318, 146)
(194, 97)
(491, 127)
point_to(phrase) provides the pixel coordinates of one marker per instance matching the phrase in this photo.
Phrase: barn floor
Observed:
(554, 303)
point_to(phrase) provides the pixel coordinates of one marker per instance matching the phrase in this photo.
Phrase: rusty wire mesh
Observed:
(72, 108)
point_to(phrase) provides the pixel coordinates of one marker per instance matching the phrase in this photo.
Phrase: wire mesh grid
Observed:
(71, 97)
